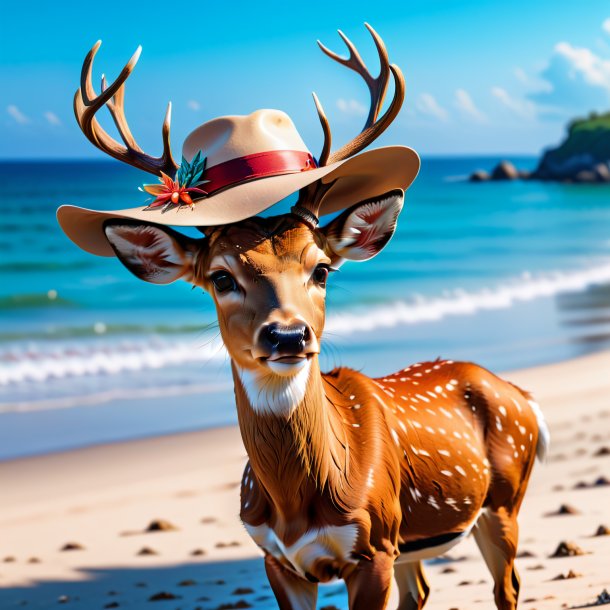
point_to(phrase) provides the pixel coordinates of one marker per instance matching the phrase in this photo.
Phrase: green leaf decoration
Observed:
(189, 174)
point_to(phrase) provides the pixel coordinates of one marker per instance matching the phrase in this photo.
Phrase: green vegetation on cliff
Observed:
(584, 156)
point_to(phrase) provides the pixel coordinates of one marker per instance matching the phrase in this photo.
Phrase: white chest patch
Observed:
(332, 542)
(275, 394)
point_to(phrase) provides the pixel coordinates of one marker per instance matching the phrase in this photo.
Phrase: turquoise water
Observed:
(507, 274)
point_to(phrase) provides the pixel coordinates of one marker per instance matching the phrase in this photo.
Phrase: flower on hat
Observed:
(177, 192)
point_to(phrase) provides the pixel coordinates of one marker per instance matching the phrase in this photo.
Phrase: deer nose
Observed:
(290, 339)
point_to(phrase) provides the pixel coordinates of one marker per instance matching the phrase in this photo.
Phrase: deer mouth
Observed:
(287, 365)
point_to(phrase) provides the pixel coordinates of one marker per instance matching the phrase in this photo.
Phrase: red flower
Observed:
(170, 192)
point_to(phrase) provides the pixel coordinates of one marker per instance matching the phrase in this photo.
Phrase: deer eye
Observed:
(320, 274)
(223, 281)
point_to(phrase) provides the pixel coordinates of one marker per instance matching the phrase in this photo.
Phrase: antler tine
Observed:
(117, 111)
(374, 126)
(325, 129)
(87, 103)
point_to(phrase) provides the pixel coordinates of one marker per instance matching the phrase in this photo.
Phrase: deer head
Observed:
(267, 277)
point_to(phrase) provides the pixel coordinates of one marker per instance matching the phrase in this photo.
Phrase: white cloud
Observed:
(466, 105)
(523, 108)
(427, 104)
(353, 107)
(52, 118)
(576, 80)
(521, 75)
(194, 105)
(593, 69)
(606, 25)
(17, 115)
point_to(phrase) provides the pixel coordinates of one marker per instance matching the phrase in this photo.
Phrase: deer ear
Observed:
(152, 253)
(363, 230)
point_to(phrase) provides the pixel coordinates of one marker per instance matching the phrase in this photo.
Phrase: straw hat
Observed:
(235, 167)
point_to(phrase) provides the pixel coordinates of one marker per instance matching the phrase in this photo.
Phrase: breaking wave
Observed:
(37, 362)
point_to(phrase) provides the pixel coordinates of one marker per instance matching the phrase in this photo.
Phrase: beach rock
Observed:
(569, 575)
(525, 554)
(34, 560)
(160, 525)
(225, 545)
(63, 599)
(189, 582)
(602, 452)
(242, 591)
(584, 175)
(448, 570)
(197, 553)
(162, 596)
(601, 482)
(603, 598)
(9, 559)
(505, 170)
(72, 546)
(564, 509)
(146, 550)
(479, 176)
(602, 530)
(567, 549)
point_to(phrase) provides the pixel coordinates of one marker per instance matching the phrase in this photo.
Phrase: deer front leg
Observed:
(291, 591)
(368, 585)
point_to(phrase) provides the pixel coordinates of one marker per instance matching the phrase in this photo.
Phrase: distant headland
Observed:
(583, 157)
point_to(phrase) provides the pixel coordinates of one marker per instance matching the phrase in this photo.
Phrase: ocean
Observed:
(508, 274)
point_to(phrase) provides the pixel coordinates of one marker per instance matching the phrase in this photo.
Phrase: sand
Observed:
(97, 504)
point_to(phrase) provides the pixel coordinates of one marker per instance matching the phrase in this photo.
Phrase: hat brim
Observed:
(361, 177)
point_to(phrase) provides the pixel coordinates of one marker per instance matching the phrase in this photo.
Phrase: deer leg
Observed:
(496, 534)
(291, 591)
(368, 584)
(413, 588)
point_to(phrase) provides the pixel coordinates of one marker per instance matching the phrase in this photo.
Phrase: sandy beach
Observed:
(73, 526)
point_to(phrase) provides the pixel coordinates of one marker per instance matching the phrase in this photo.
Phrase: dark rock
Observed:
(162, 596)
(601, 482)
(479, 176)
(567, 549)
(505, 170)
(564, 509)
(9, 559)
(602, 530)
(72, 546)
(242, 603)
(160, 525)
(602, 452)
(197, 553)
(189, 582)
(242, 591)
(569, 575)
(112, 605)
(34, 560)
(448, 570)
(525, 554)
(146, 550)
(63, 599)
(585, 175)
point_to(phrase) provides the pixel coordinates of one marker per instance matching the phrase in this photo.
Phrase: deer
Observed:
(348, 477)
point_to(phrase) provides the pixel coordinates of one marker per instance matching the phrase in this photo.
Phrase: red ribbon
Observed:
(257, 165)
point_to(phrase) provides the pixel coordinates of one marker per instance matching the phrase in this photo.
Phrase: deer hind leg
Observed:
(291, 591)
(413, 588)
(496, 534)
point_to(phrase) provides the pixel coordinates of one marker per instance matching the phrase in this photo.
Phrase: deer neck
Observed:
(291, 431)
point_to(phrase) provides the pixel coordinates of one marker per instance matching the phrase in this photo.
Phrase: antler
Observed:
(87, 103)
(373, 127)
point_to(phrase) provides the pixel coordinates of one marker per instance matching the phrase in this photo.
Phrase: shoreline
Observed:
(101, 499)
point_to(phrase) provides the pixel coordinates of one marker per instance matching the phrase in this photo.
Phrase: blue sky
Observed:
(482, 77)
